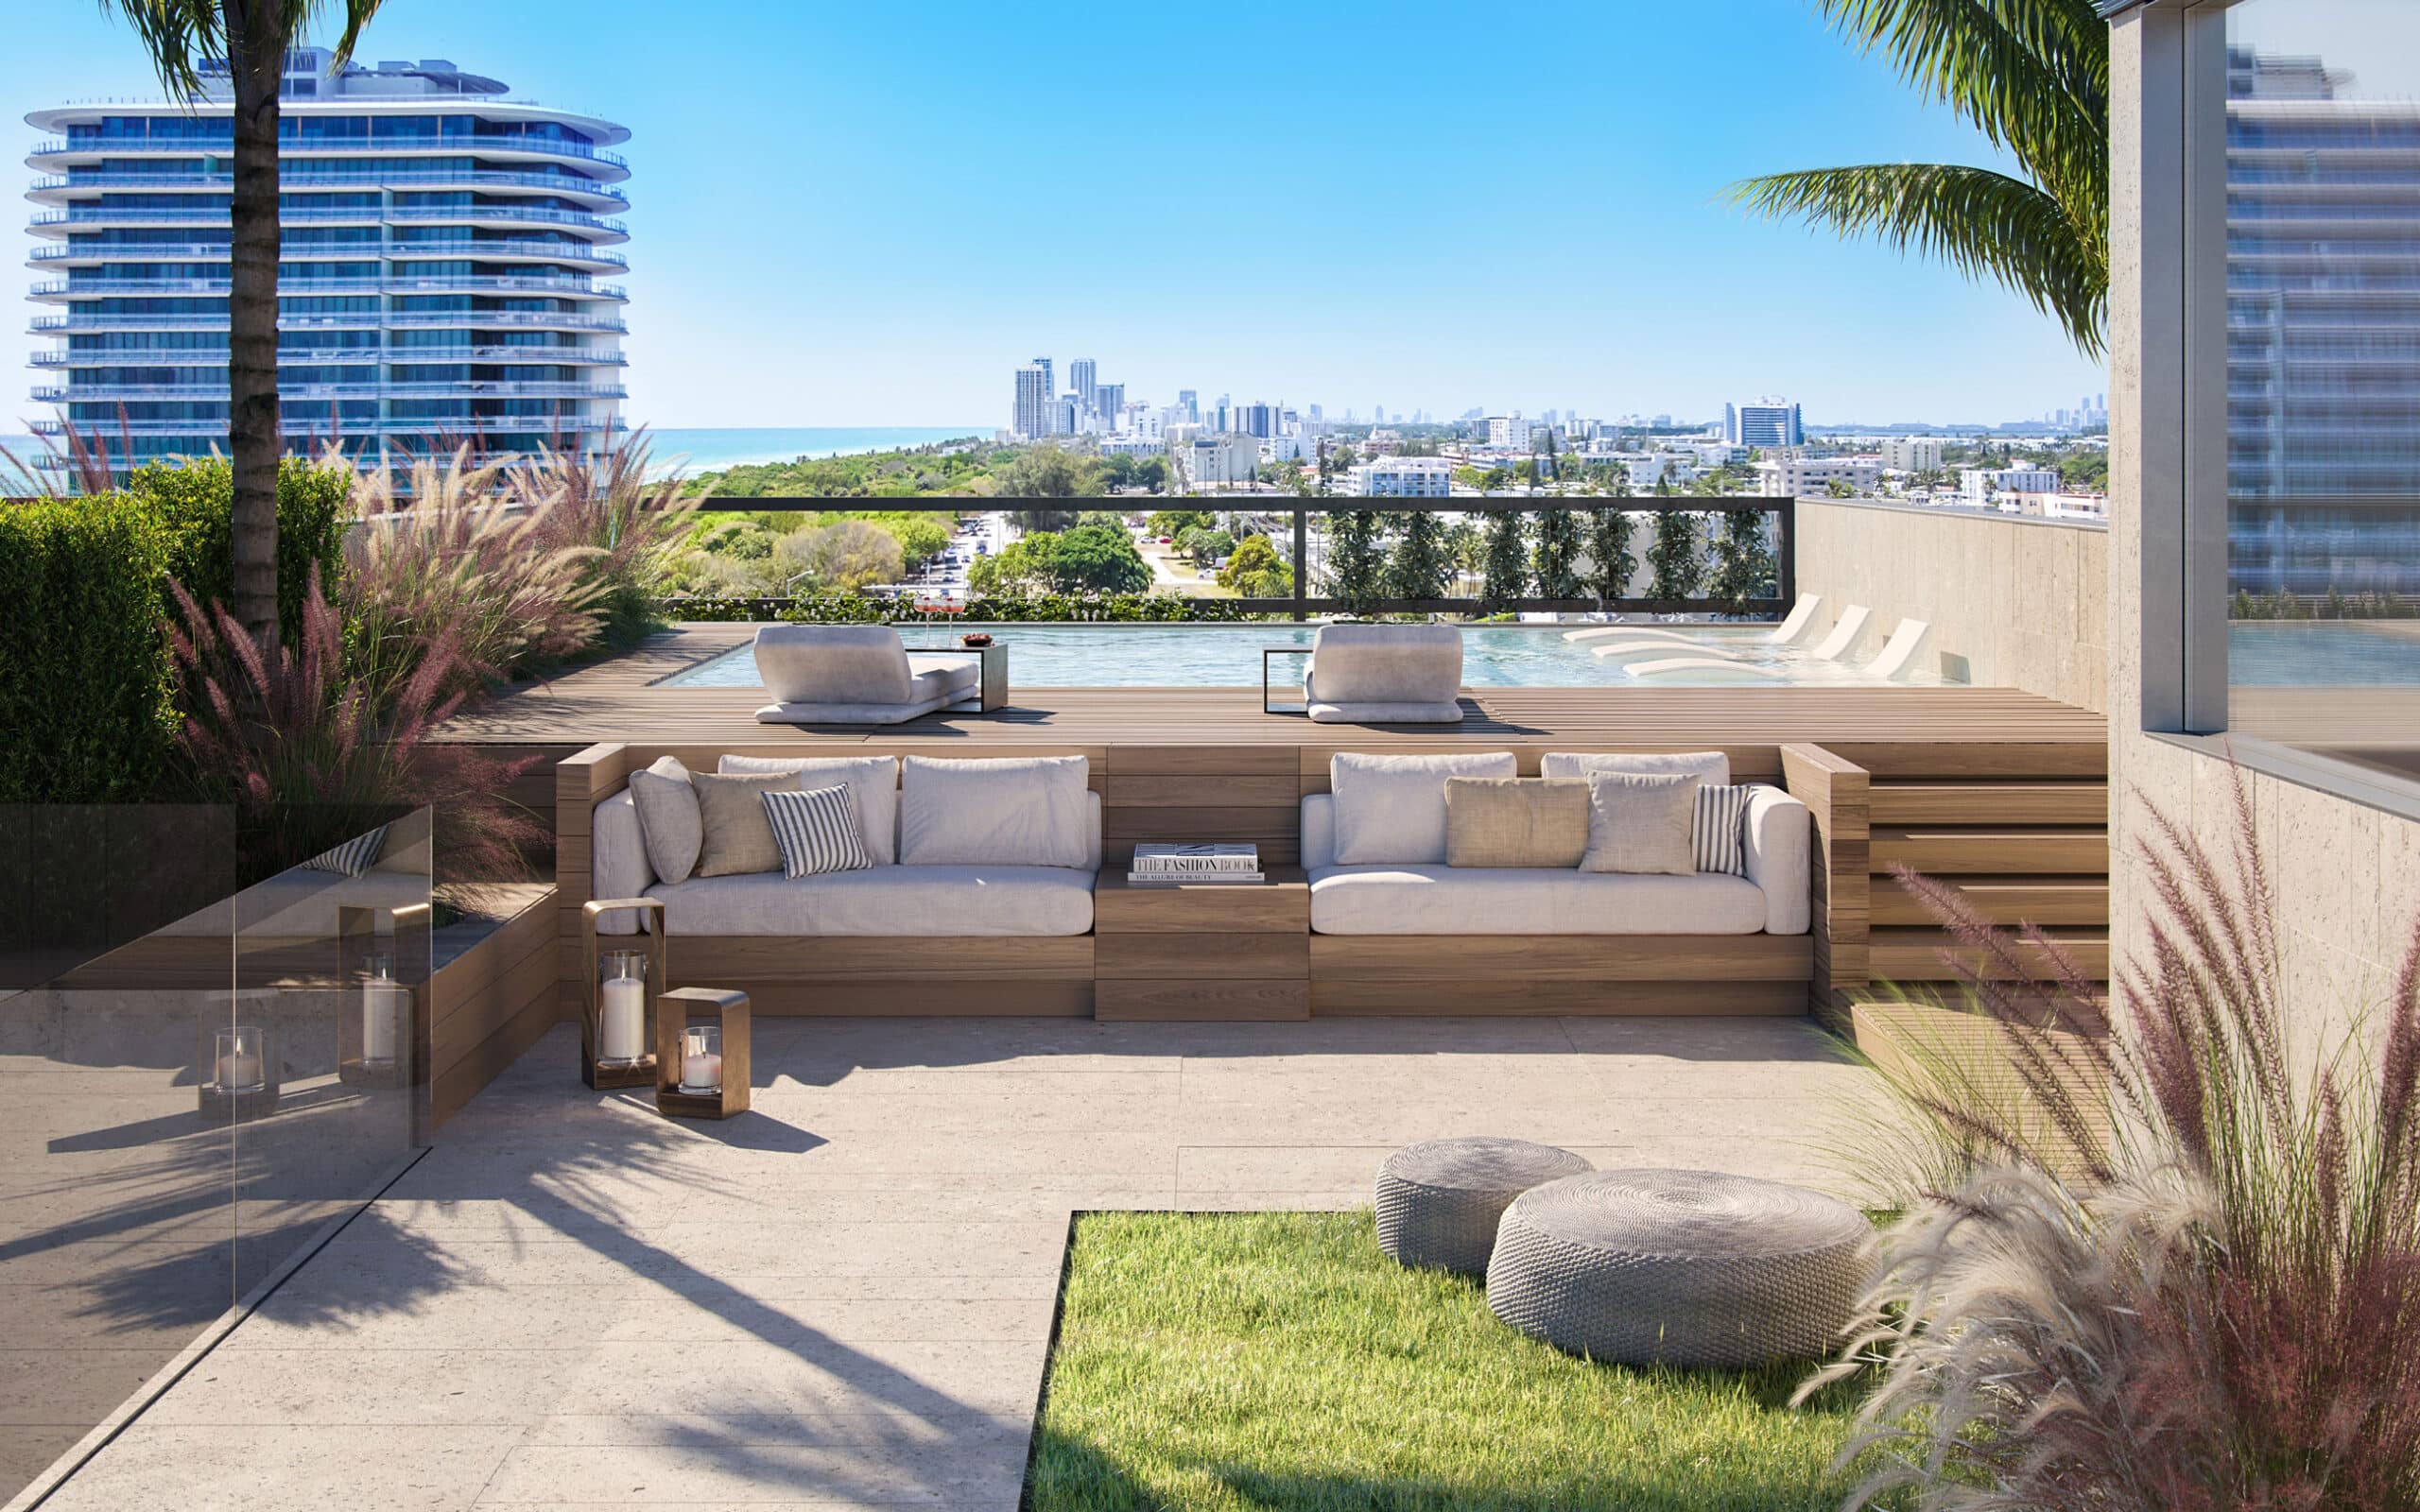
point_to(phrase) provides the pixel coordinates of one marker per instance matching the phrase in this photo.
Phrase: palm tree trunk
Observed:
(256, 37)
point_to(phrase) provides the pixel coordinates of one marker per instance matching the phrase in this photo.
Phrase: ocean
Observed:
(709, 450)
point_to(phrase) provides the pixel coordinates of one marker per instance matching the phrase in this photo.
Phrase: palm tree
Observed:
(252, 36)
(2032, 76)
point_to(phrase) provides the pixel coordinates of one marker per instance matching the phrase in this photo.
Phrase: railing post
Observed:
(1301, 562)
(1789, 553)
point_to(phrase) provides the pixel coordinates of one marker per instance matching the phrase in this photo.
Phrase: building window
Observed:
(2302, 405)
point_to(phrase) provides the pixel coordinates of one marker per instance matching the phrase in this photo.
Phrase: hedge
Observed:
(84, 713)
(195, 504)
(858, 609)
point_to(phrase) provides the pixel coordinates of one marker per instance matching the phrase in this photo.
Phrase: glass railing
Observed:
(290, 215)
(88, 251)
(203, 1078)
(457, 283)
(496, 388)
(368, 179)
(467, 319)
(207, 432)
(475, 141)
(184, 356)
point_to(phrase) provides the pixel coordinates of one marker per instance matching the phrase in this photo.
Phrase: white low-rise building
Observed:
(1508, 431)
(1212, 461)
(1128, 443)
(1401, 477)
(1980, 484)
(1912, 454)
(1792, 477)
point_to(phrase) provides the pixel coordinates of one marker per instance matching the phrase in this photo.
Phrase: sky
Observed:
(865, 214)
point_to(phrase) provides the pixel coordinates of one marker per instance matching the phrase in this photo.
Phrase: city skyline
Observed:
(774, 283)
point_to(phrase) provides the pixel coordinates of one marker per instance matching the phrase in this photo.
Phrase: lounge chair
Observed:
(1801, 614)
(1385, 674)
(855, 675)
(1898, 654)
(1890, 664)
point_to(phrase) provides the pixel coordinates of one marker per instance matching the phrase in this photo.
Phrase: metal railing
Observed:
(577, 287)
(206, 357)
(1303, 604)
(82, 214)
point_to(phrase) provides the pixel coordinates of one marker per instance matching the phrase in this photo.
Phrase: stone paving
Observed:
(844, 1298)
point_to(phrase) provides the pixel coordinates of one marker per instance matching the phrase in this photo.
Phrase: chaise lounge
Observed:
(855, 675)
(1385, 674)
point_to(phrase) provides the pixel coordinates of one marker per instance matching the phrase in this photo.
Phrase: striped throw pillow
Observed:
(1719, 830)
(816, 830)
(352, 858)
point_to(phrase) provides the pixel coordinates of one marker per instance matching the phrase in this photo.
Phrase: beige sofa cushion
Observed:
(669, 820)
(1515, 821)
(1528, 901)
(1027, 811)
(738, 837)
(885, 901)
(1393, 808)
(1641, 823)
(873, 782)
(1709, 767)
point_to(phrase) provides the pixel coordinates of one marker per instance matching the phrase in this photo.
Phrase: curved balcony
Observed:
(466, 319)
(509, 250)
(216, 357)
(481, 388)
(83, 214)
(53, 189)
(454, 140)
(206, 431)
(94, 289)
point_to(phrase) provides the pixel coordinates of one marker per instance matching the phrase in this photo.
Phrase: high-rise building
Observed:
(1767, 422)
(441, 246)
(1033, 401)
(2322, 333)
(1080, 374)
(1255, 419)
(1049, 381)
(1109, 400)
(1508, 431)
(1190, 401)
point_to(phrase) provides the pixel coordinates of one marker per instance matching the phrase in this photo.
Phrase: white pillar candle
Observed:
(701, 1073)
(385, 1004)
(622, 1029)
(239, 1072)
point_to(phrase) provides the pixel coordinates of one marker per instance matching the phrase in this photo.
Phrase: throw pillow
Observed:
(1705, 765)
(737, 837)
(1391, 810)
(352, 858)
(816, 830)
(1515, 821)
(669, 827)
(873, 782)
(1030, 811)
(1641, 823)
(1718, 835)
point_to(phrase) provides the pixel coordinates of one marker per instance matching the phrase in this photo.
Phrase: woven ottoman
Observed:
(1678, 1267)
(1439, 1202)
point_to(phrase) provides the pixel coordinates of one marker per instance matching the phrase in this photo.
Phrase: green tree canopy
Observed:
(1256, 571)
(1505, 573)
(1422, 563)
(1355, 558)
(1677, 558)
(1557, 556)
(1100, 559)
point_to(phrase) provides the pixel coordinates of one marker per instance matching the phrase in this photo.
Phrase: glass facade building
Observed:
(441, 252)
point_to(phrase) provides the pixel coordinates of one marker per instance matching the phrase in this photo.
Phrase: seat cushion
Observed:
(1439, 900)
(852, 713)
(885, 901)
(834, 663)
(1026, 811)
(1449, 712)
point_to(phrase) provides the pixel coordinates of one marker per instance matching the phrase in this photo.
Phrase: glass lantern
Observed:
(701, 1061)
(622, 1028)
(238, 1074)
(386, 1008)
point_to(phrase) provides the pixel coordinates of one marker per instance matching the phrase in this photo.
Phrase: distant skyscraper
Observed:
(1050, 383)
(1767, 422)
(1317, 413)
(1082, 372)
(1033, 401)
(1108, 399)
(1255, 420)
(1190, 402)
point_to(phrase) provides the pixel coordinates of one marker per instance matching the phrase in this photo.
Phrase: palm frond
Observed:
(1980, 221)
(177, 34)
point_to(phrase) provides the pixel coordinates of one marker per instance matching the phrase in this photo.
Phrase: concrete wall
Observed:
(2346, 874)
(2014, 602)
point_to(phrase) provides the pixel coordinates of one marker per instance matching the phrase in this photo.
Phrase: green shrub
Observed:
(193, 501)
(84, 712)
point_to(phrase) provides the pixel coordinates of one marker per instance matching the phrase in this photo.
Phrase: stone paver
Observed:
(845, 1299)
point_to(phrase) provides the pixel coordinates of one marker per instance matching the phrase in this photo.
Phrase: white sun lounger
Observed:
(1898, 654)
(1790, 630)
(1893, 663)
(1647, 651)
(1844, 635)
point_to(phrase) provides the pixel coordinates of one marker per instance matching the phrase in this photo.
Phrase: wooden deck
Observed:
(620, 700)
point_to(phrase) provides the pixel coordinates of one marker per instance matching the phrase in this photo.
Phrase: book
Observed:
(1196, 879)
(1161, 858)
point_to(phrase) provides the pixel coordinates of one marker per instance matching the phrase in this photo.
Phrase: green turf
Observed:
(1277, 1361)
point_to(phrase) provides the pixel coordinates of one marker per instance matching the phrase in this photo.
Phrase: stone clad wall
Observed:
(2014, 602)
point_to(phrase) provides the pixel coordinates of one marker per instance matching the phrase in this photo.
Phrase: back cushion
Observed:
(833, 663)
(873, 782)
(1386, 664)
(1391, 810)
(1028, 811)
(1708, 766)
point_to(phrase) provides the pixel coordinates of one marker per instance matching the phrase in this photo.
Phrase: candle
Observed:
(700, 1072)
(383, 1005)
(622, 1028)
(239, 1072)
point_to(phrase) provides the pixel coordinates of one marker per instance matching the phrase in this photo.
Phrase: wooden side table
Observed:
(1203, 950)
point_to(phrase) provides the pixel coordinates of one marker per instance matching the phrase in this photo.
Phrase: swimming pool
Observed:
(2323, 653)
(1167, 656)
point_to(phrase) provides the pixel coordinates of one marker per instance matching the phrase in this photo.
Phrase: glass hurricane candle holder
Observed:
(621, 1009)
(238, 1071)
(625, 974)
(701, 1052)
(701, 1061)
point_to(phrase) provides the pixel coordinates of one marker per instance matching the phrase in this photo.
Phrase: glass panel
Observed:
(2323, 375)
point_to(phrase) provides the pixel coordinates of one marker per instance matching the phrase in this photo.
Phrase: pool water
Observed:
(1167, 656)
(2331, 653)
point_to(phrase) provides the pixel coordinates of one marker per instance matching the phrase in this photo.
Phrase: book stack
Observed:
(1158, 863)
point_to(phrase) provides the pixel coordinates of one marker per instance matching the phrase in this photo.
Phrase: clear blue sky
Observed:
(871, 214)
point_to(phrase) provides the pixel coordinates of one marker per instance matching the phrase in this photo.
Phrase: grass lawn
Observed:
(1278, 1361)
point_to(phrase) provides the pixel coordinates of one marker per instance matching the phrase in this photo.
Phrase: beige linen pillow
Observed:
(1641, 823)
(739, 838)
(1515, 821)
(668, 824)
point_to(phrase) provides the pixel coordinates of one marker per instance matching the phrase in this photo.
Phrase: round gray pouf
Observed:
(1678, 1267)
(1438, 1201)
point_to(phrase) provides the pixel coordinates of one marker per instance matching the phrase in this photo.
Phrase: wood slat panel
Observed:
(1497, 997)
(740, 960)
(1192, 1001)
(2002, 899)
(1144, 957)
(916, 1000)
(1595, 958)
(1915, 955)
(1950, 851)
(2076, 803)
(1282, 905)
(1836, 792)
(1199, 790)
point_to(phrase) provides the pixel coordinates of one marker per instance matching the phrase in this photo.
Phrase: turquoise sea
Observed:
(707, 449)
